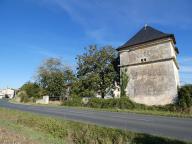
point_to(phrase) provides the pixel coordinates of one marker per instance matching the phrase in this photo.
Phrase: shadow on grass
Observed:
(147, 139)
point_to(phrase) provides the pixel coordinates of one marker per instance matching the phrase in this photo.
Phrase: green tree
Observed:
(82, 88)
(54, 77)
(124, 79)
(32, 90)
(185, 96)
(96, 70)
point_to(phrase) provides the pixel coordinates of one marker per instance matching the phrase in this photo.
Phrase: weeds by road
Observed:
(10, 137)
(54, 130)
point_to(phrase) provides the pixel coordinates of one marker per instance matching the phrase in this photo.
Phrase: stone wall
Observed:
(45, 100)
(152, 52)
(152, 84)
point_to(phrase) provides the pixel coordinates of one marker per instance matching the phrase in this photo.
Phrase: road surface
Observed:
(178, 128)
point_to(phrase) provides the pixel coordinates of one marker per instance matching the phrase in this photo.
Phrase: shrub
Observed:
(95, 103)
(23, 96)
(122, 103)
(33, 90)
(183, 104)
(73, 101)
(123, 82)
(185, 96)
(125, 103)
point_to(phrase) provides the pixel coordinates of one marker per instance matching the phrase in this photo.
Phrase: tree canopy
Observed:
(54, 77)
(32, 90)
(96, 70)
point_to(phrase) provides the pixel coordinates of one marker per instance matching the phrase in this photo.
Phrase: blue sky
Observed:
(32, 30)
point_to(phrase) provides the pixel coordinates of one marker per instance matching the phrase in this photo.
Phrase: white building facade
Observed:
(9, 93)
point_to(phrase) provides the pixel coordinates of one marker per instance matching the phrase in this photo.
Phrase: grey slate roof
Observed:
(146, 34)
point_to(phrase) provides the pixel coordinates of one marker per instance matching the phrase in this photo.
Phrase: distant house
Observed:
(8, 93)
(1, 95)
(150, 60)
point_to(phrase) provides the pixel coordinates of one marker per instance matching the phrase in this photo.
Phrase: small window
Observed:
(145, 60)
(141, 60)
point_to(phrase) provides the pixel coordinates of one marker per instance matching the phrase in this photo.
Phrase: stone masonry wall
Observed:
(153, 52)
(152, 84)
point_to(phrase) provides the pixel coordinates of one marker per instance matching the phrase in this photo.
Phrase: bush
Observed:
(23, 96)
(33, 90)
(122, 103)
(94, 103)
(73, 101)
(24, 99)
(183, 104)
(185, 97)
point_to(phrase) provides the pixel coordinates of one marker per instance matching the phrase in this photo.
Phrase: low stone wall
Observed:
(148, 100)
(45, 100)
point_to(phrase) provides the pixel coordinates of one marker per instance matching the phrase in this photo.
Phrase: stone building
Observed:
(150, 60)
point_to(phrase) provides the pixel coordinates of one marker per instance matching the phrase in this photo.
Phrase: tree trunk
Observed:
(102, 95)
(102, 85)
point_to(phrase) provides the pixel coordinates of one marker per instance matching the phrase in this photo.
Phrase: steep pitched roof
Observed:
(146, 34)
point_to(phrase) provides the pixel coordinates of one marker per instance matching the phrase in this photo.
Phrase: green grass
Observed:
(56, 130)
(29, 133)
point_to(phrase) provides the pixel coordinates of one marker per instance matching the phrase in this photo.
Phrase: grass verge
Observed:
(25, 135)
(138, 111)
(55, 130)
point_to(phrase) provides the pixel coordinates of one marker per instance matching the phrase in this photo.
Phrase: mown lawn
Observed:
(43, 129)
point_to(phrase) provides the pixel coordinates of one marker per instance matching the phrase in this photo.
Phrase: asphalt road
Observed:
(179, 128)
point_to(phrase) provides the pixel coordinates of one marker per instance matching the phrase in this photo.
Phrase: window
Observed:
(143, 60)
